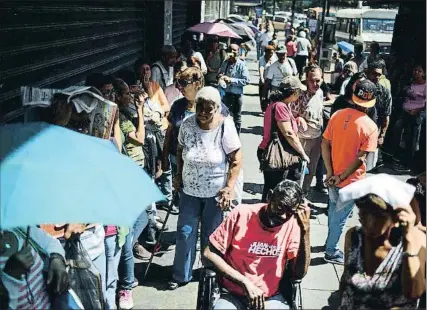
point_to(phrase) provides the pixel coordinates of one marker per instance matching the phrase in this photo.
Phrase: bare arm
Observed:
(302, 261)
(267, 86)
(215, 257)
(261, 74)
(138, 137)
(235, 160)
(291, 137)
(327, 158)
(116, 131)
(413, 268)
(360, 159)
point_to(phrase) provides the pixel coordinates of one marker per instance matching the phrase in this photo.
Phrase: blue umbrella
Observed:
(346, 47)
(50, 174)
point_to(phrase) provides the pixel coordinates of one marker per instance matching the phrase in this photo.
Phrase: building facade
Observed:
(57, 43)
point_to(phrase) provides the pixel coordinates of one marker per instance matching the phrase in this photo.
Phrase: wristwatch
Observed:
(407, 254)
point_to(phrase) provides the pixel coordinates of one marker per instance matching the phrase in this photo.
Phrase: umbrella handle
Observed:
(27, 239)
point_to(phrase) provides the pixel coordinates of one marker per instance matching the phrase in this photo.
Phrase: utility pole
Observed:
(274, 8)
(319, 50)
(293, 12)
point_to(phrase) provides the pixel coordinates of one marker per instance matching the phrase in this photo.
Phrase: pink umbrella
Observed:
(217, 29)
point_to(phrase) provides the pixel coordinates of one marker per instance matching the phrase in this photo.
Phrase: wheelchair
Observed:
(209, 289)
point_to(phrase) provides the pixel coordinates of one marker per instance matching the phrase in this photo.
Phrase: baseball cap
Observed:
(292, 82)
(281, 50)
(364, 93)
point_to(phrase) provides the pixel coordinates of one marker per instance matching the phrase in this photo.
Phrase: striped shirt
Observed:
(19, 290)
(19, 295)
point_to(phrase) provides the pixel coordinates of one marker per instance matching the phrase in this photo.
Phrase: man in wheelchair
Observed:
(252, 246)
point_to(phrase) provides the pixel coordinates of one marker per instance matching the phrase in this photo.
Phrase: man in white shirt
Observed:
(162, 70)
(188, 51)
(265, 62)
(282, 68)
(303, 50)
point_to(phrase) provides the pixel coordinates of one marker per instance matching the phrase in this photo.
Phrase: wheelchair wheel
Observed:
(207, 290)
(297, 296)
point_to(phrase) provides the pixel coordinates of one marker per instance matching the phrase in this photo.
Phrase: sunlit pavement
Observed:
(322, 279)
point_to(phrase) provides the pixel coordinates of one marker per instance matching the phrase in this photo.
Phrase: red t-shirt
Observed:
(283, 114)
(257, 252)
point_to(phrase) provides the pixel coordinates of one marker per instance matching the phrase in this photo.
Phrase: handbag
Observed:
(279, 154)
(238, 186)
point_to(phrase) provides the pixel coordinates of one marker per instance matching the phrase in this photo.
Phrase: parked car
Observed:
(279, 22)
(236, 18)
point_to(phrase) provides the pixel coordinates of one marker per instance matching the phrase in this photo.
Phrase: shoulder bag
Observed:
(279, 154)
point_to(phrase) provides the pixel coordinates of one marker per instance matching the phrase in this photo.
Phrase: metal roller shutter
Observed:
(179, 20)
(185, 13)
(58, 43)
(212, 9)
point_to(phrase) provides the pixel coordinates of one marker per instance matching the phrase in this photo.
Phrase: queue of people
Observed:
(179, 119)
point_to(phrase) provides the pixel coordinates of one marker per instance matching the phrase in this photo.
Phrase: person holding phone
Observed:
(235, 74)
(348, 139)
(133, 142)
(385, 257)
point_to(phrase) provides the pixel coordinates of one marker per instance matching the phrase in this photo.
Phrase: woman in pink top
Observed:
(413, 115)
(291, 46)
(287, 128)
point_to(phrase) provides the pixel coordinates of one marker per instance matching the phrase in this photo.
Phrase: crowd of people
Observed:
(179, 119)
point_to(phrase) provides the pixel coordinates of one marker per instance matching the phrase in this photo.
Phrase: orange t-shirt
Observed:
(257, 252)
(350, 131)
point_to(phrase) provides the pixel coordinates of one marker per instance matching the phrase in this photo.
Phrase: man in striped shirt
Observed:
(21, 269)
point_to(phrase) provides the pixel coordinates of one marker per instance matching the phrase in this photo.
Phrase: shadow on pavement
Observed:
(317, 249)
(317, 261)
(333, 301)
(158, 276)
(252, 113)
(316, 197)
(255, 130)
(253, 188)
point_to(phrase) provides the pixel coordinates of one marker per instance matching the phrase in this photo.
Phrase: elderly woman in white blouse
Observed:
(209, 160)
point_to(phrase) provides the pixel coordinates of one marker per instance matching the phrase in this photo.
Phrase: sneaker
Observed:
(139, 252)
(173, 285)
(321, 188)
(135, 283)
(337, 258)
(400, 168)
(125, 300)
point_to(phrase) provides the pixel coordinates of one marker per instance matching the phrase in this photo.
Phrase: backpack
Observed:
(155, 65)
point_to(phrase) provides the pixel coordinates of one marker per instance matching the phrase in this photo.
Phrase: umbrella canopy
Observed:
(346, 47)
(247, 28)
(241, 31)
(218, 29)
(50, 174)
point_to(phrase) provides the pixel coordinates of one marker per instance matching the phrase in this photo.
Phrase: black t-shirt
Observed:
(341, 103)
(420, 196)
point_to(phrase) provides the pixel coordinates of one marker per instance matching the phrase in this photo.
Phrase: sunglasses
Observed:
(184, 83)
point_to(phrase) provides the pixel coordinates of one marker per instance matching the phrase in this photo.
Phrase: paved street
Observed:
(322, 279)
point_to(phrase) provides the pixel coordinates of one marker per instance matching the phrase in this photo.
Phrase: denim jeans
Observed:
(126, 265)
(164, 182)
(228, 301)
(411, 124)
(140, 224)
(191, 209)
(234, 104)
(112, 253)
(337, 217)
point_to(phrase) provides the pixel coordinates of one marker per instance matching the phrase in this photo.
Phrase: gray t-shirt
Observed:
(303, 46)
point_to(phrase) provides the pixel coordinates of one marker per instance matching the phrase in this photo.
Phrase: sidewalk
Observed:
(321, 280)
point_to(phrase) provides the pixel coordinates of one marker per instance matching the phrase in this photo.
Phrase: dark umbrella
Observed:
(239, 30)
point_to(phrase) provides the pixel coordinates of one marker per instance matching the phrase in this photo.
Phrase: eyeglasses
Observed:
(184, 83)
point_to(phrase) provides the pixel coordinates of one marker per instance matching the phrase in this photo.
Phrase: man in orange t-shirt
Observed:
(253, 244)
(347, 140)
